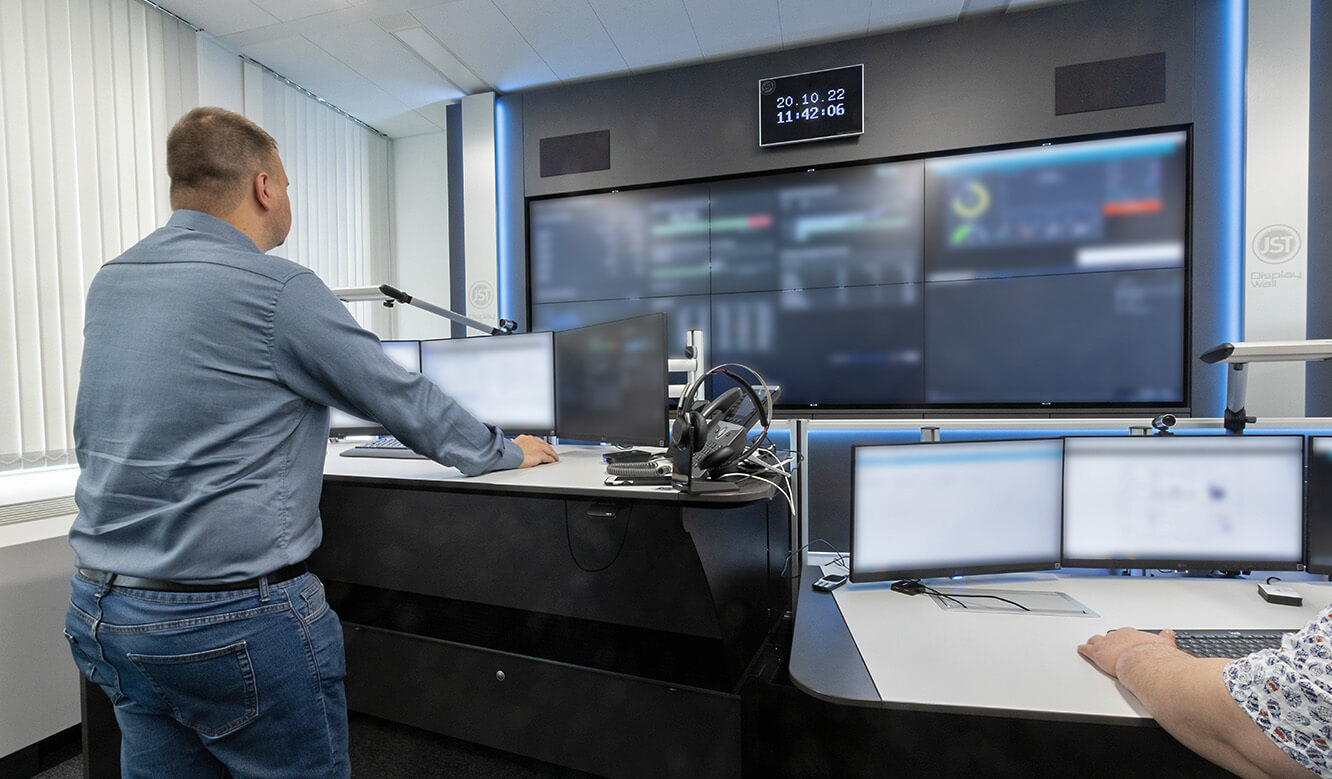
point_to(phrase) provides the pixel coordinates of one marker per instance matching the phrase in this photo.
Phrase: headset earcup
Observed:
(717, 459)
(689, 431)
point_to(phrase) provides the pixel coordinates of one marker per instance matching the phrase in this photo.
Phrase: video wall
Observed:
(1050, 275)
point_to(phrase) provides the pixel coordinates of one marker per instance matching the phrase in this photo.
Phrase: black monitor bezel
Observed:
(555, 404)
(858, 576)
(660, 440)
(1309, 565)
(372, 429)
(1198, 564)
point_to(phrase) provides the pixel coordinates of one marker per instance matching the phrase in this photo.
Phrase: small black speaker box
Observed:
(1116, 83)
(577, 153)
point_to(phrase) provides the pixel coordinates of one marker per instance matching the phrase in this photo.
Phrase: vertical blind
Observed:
(88, 91)
(340, 185)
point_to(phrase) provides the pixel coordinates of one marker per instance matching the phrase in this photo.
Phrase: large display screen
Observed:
(1208, 502)
(1050, 276)
(943, 509)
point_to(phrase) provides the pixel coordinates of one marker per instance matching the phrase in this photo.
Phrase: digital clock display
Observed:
(812, 106)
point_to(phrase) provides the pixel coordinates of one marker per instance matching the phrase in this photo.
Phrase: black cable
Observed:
(840, 558)
(995, 597)
(937, 594)
(568, 538)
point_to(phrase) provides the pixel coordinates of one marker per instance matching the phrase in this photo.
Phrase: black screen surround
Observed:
(1048, 276)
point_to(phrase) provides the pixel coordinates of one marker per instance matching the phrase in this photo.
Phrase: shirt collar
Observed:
(207, 223)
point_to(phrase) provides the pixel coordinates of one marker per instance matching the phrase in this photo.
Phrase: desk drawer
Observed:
(593, 721)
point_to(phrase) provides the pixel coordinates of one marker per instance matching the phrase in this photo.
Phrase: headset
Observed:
(690, 430)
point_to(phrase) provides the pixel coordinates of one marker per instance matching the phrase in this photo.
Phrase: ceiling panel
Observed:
(320, 72)
(567, 34)
(407, 124)
(898, 13)
(220, 18)
(649, 33)
(982, 6)
(728, 28)
(804, 22)
(387, 63)
(479, 35)
(289, 10)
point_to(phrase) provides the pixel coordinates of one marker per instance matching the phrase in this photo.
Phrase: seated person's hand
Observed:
(1106, 650)
(535, 451)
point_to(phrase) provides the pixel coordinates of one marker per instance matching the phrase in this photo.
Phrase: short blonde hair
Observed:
(212, 155)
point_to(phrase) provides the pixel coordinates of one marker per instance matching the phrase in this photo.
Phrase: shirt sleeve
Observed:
(323, 355)
(1287, 692)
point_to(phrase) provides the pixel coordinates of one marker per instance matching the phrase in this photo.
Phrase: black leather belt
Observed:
(162, 585)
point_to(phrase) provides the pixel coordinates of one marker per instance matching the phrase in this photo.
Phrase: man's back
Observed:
(186, 435)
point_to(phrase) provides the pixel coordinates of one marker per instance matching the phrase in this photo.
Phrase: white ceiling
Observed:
(395, 63)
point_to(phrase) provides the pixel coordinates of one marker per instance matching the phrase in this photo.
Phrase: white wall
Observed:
(421, 232)
(39, 685)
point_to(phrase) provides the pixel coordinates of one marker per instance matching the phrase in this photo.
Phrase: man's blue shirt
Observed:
(202, 415)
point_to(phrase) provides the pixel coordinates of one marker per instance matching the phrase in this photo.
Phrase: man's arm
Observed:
(1188, 697)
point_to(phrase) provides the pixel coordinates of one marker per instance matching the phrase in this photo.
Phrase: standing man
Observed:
(201, 428)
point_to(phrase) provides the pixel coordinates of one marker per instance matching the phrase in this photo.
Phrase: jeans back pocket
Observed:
(212, 692)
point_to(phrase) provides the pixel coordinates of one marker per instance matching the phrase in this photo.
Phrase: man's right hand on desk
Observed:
(535, 451)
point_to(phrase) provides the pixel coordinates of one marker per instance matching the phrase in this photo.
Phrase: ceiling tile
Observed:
(479, 35)
(736, 26)
(649, 33)
(385, 62)
(902, 13)
(567, 35)
(428, 47)
(220, 18)
(289, 10)
(806, 22)
(318, 71)
(985, 6)
(405, 124)
(1022, 5)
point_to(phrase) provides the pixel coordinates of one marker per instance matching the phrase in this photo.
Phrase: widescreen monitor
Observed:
(503, 380)
(1225, 502)
(945, 509)
(611, 382)
(340, 423)
(1318, 551)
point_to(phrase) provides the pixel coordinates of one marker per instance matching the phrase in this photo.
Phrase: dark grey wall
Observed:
(979, 82)
(1318, 401)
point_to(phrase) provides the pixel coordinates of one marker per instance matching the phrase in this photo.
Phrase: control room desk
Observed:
(1014, 679)
(538, 611)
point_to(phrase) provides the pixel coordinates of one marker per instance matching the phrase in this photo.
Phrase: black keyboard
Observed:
(1228, 643)
(386, 446)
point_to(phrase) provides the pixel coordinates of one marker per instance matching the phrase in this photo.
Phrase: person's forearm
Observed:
(1188, 697)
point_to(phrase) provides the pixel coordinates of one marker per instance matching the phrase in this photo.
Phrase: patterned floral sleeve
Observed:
(1288, 693)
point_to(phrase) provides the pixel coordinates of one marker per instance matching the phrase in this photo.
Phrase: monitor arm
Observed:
(1239, 355)
(390, 295)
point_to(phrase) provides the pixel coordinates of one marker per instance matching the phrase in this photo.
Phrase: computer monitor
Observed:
(340, 423)
(503, 380)
(611, 382)
(1223, 502)
(1318, 549)
(944, 509)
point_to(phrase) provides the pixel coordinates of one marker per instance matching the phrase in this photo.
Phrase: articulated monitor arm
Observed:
(1239, 355)
(390, 295)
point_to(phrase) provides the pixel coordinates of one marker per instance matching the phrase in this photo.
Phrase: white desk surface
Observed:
(921, 656)
(580, 471)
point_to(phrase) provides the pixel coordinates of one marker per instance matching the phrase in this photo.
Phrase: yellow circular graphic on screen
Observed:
(973, 202)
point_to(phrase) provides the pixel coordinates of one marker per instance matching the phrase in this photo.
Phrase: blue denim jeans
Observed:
(246, 681)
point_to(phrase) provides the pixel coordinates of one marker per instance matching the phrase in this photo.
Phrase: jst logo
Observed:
(481, 295)
(1276, 244)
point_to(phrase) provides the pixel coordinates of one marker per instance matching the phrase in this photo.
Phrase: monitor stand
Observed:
(693, 486)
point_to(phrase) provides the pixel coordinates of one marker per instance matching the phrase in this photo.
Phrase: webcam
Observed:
(1163, 424)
